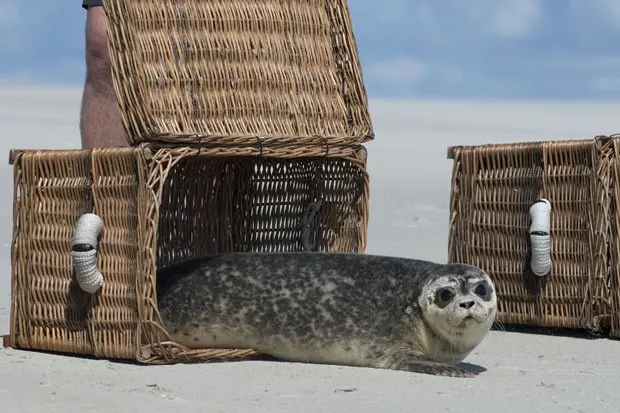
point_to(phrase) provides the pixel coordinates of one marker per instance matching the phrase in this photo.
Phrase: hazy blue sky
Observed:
(560, 49)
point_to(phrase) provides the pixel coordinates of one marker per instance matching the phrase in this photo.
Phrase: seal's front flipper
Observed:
(435, 368)
(428, 366)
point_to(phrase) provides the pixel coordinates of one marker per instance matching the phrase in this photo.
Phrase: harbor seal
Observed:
(333, 308)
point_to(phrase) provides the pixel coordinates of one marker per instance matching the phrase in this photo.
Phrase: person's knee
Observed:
(98, 73)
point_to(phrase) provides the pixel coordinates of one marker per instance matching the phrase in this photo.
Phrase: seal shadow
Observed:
(470, 367)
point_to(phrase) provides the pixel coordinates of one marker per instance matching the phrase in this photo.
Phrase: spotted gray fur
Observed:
(348, 309)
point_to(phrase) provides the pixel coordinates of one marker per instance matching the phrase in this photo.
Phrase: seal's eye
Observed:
(481, 290)
(445, 295)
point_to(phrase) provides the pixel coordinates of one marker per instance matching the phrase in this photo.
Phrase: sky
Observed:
(454, 49)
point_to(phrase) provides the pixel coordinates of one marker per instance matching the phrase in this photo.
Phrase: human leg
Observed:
(100, 119)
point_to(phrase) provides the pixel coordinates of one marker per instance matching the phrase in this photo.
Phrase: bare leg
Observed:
(100, 119)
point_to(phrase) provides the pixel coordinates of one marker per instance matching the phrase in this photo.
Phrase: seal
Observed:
(350, 309)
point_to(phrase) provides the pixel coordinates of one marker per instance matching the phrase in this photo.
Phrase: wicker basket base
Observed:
(158, 208)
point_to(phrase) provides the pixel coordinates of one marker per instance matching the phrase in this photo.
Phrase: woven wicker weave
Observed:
(614, 279)
(233, 72)
(148, 201)
(493, 188)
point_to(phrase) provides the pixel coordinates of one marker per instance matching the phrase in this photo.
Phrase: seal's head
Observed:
(459, 304)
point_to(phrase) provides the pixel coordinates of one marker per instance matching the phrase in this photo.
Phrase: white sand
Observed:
(410, 184)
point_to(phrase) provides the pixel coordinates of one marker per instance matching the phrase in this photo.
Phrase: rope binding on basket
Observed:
(306, 223)
(540, 213)
(84, 252)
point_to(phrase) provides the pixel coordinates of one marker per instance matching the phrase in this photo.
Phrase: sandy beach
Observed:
(410, 189)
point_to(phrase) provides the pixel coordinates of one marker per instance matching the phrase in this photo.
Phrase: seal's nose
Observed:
(466, 304)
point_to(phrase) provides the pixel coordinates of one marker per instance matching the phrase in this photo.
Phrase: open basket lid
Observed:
(233, 72)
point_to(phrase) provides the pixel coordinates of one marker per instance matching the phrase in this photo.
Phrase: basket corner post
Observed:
(455, 211)
(7, 341)
(10, 340)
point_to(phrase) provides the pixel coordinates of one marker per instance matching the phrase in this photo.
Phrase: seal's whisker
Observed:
(438, 346)
(498, 325)
(453, 353)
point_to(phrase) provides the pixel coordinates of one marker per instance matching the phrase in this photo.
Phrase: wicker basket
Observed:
(266, 72)
(493, 187)
(148, 199)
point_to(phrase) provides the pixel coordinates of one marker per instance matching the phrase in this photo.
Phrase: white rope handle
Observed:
(84, 252)
(540, 212)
